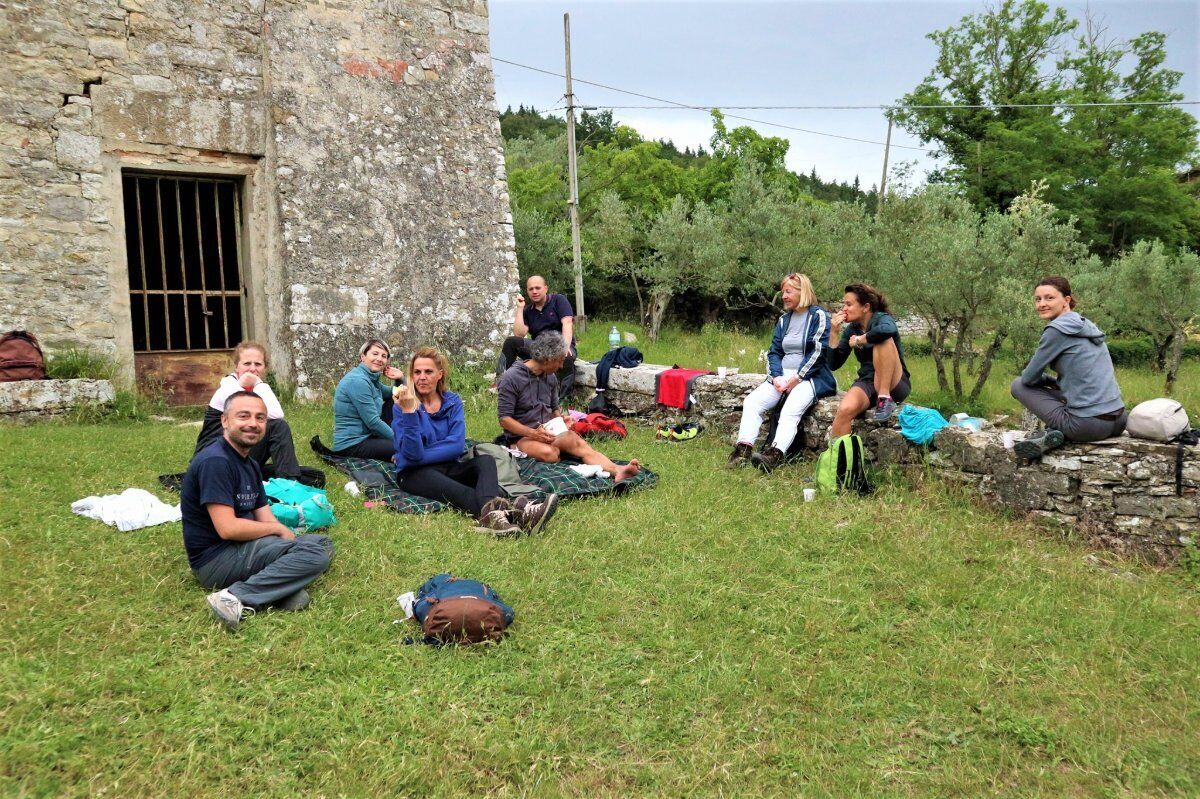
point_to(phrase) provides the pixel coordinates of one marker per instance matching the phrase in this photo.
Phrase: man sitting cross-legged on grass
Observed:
(234, 543)
(527, 398)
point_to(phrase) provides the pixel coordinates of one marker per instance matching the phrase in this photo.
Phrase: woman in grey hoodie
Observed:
(1084, 402)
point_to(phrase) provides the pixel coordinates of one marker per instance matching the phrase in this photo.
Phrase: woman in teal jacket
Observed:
(359, 429)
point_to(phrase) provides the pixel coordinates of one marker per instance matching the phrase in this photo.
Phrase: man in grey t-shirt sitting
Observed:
(527, 404)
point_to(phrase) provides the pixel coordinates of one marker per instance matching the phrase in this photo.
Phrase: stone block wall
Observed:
(29, 400)
(1119, 493)
(364, 132)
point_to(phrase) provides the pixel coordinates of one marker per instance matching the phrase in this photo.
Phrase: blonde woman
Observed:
(799, 375)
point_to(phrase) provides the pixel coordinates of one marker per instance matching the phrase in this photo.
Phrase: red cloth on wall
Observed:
(673, 386)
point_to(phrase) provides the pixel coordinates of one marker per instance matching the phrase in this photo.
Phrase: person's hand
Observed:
(858, 341)
(284, 532)
(780, 383)
(404, 398)
(393, 373)
(520, 302)
(248, 380)
(836, 321)
(542, 435)
(789, 382)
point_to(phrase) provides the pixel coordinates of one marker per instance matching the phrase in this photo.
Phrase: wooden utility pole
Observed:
(573, 190)
(887, 147)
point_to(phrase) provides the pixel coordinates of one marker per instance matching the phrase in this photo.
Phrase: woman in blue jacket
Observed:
(359, 428)
(430, 434)
(799, 375)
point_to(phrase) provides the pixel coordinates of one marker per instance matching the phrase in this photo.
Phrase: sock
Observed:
(883, 397)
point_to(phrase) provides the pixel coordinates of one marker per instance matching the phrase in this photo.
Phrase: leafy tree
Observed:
(1112, 168)
(1153, 289)
(615, 244)
(967, 277)
(672, 266)
(543, 246)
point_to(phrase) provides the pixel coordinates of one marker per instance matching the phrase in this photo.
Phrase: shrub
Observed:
(75, 364)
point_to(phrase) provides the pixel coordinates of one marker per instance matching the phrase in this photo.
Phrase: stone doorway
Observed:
(187, 295)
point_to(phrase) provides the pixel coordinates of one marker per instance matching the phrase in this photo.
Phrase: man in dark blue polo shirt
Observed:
(544, 311)
(233, 541)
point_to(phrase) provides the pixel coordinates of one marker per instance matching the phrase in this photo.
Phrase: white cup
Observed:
(810, 494)
(556, 426)
(351, 488)
(721, 371)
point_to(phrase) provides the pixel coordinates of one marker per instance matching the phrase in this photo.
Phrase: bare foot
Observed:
(627, 471)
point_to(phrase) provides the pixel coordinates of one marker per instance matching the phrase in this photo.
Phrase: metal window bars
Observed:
(183, 244)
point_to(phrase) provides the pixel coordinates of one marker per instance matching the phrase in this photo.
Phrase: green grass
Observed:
(717, 345)
(713, 636)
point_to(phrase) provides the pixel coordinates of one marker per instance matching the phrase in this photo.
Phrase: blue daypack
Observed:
(457, 610)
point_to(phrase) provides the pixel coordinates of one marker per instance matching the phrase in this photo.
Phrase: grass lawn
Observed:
(710, 637)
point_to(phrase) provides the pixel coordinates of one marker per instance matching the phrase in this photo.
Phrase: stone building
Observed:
(176, 175)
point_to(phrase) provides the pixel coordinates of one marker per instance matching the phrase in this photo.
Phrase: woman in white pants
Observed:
(798, 375)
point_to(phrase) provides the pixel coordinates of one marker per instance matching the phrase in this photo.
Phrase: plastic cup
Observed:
(810, 494)
(721, 371)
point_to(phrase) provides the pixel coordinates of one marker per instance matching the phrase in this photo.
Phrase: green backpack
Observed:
(842, 467)
(298, 507)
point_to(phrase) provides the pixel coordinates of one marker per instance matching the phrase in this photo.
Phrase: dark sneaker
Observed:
(768, 459)
(884, 409)
(740, 455)
(228, 609)
(531, 515)
(1035, 447)
(297, 601)
(498, 524)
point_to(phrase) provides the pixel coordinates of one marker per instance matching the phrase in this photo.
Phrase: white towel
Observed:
(130, 510)
(589, 470)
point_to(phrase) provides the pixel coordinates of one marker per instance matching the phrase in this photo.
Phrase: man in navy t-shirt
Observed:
(544, 311)
(233, 541)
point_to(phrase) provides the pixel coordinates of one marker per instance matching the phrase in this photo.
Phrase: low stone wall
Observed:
(29, 400)
(1119, 493)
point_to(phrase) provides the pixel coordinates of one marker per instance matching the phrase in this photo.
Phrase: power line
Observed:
(886, 108)
(673, 105)
(677, 105)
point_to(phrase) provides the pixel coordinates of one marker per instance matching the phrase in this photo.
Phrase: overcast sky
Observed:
(797, 53)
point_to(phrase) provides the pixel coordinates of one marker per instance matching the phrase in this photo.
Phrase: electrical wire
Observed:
(677, 105)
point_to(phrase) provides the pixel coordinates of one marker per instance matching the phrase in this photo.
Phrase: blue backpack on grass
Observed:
(455, 610)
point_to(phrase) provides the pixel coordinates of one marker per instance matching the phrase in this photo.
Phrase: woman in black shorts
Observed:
(870, 331)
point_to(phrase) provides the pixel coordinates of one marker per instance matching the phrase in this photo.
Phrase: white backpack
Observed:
(1157, 420)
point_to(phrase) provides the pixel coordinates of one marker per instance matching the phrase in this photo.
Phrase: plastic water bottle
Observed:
(614, 338)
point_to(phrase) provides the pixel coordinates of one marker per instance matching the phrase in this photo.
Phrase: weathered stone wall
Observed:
(29, 400)
(1119, 493)
(365, 132)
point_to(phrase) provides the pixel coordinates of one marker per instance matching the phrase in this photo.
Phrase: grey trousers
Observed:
(1050, 406)
(266, 570)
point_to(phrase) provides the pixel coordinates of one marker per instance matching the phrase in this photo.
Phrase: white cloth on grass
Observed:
(132, 509)
(589, 470)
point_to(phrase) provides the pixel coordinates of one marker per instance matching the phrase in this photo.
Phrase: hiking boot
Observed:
(1034, 447)
(532, 516)
(496, 518)
(884, 409)
(297, 601)
(740, 455)
(228, 609)
(768, 459)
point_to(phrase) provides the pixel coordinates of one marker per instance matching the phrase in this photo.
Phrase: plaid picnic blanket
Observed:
(377, 479)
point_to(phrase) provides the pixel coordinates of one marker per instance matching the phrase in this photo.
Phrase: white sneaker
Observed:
(228, 608)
